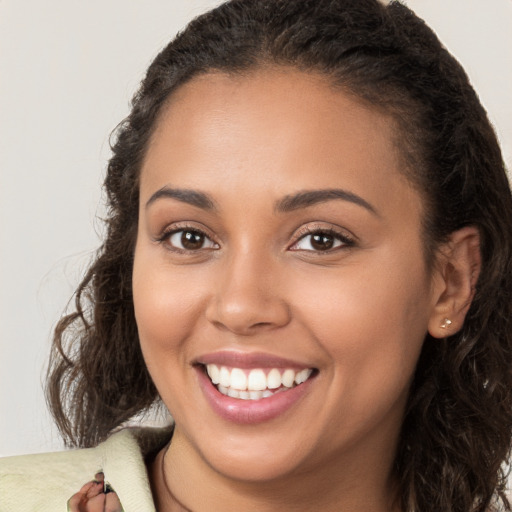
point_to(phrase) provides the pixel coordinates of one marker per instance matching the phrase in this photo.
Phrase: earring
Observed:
(446, 323)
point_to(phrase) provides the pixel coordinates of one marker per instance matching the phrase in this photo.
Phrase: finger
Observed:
(94, 490)
(96, 504)
(78, 501)
(112, 503)
(74, 503)
(99, 477)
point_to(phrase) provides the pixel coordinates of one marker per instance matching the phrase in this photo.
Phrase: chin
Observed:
(255, 465)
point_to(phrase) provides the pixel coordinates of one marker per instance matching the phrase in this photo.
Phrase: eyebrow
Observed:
(308, 198)
(192, 197)
(288, 203)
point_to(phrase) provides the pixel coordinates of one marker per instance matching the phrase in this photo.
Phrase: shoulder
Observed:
(45, 482)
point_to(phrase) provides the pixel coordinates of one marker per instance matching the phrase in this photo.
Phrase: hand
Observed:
(93, 497)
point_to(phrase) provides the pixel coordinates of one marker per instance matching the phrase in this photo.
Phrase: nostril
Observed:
(247, 314)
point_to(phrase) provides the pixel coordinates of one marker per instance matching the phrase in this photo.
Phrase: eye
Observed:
(321, 240)
(190, 240)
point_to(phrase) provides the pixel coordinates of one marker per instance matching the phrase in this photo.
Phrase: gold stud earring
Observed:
(446, 323)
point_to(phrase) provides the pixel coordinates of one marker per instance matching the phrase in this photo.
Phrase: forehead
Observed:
(269, 127)
(270, 94)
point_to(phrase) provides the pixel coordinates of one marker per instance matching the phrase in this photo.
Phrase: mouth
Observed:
(251, 388)
(256, 383)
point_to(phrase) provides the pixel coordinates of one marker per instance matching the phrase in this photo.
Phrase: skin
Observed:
(358, 313)
(92, 498)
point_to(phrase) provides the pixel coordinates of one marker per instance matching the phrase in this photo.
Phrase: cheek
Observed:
(371, 321)
(366, 298)
(167, 307)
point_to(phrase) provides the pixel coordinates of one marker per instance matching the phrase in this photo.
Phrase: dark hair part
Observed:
(457, 428)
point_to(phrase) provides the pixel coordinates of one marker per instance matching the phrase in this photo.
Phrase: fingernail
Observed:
(99, 477)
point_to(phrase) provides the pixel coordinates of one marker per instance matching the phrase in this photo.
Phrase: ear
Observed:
(457, 270)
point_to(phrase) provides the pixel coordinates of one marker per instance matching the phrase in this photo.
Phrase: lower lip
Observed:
(249, 412)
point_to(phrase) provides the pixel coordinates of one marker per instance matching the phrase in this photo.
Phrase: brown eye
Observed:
(190, 240)
(322, 242)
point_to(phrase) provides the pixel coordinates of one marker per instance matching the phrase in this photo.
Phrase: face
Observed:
(279, 260)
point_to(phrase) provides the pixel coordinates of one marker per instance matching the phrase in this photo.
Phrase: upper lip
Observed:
(236, 359)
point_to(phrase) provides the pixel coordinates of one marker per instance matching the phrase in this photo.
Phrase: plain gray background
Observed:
(67, 71)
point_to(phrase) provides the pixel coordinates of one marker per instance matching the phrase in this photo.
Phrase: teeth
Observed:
(256, 395)
(257, 380)
(255, 384)
(233, 393)
(288, 378)
(301, 377)
(224, 377)
(214, 373)
(238, 379)
(273, 379)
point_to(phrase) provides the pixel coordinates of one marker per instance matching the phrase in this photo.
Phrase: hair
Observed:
(458, 423)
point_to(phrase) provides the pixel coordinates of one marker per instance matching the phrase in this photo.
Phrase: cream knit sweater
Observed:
(45, 482)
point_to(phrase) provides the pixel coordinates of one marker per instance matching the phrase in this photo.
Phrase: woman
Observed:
(308, 262)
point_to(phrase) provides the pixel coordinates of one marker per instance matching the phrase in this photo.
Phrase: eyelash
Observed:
(168, 233)
(346, 241)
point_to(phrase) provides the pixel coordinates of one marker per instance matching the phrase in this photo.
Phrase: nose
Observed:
(248, 297)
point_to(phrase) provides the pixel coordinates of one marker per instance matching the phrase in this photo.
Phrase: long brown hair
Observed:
(458, 424)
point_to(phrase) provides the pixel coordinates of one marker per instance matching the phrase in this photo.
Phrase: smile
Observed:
(251, 388)
(255, 384)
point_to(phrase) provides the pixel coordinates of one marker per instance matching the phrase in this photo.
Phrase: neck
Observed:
(182, 481)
